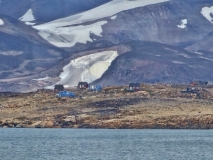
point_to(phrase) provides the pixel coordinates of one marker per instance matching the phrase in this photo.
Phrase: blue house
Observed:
(94, 87)
(65, 94)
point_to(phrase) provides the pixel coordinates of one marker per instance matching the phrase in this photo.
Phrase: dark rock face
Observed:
(204, 44)
(153, 62)
(14, 8)
(23, 52)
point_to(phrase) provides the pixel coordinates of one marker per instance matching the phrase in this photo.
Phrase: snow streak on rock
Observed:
(87, 68)
(207, 12)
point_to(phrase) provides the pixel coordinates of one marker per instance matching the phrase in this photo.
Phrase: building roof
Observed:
(199, 82)
(134, 84)
(59, 86)
(82, 83)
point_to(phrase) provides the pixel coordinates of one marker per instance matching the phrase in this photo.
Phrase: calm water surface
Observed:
(86, 144)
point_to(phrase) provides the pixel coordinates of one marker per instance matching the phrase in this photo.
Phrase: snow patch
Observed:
(183, 23)
(1, 22)
(114, 17)
(87, 68)
(69, 36)
(28, 16)
(41, 79)
(29, 23)
(207, 12)
(177, 62)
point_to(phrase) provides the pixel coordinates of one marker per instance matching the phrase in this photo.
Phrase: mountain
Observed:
(103, 41)
(170, 22)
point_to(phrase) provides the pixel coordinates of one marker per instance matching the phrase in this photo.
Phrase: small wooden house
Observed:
(134, 87)
(83, 85)
(197, 83)
(58, 88)
(194, 89)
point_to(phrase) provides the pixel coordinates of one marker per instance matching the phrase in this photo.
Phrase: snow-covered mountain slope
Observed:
(62, 34)
(170, 22)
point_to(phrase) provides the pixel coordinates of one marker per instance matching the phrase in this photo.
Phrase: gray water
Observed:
(87, 144)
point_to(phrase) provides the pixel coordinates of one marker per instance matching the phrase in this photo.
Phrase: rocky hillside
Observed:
(204, 44)
(154, 106)
(157, 63)
(102, 41)
(23, 52)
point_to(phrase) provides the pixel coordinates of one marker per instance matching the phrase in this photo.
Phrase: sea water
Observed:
(104, 144)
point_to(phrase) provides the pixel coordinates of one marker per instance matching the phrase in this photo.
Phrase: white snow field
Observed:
(183, 23)
(1, 22)
(61, 34)
(207, 12)
(87, 68)
(69, 36)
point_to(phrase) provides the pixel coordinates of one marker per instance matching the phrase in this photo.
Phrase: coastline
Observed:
(154, 107)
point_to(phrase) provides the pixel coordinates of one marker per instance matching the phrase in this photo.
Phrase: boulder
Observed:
(49, 124)
(71, 119)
